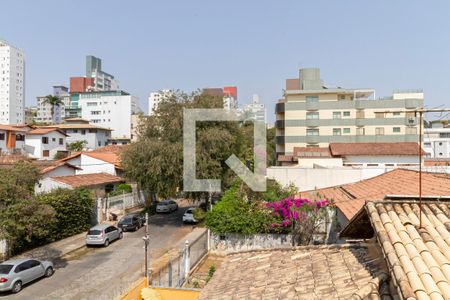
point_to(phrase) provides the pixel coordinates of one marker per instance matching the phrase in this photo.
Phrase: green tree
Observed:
(155, 161)
(77, 146)
(53, 101)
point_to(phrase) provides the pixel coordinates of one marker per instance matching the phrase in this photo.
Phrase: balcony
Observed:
(413, 103)
(312, 139)
(314, 105)
(360, 122)
(312, 122)
(279, 124)
(280, 107)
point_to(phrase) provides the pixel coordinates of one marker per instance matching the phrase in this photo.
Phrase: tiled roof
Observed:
(109, 157)
(77, 126)
(308, 152)
(349, 198)
(375, 149)
(418, 257)
(11, 128)
(117, 149)
(86, 180)
(282, 157)
(44, 130)
(436, 162)
(46, 169)
(308, 272)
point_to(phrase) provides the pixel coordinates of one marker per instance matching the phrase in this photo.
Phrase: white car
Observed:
(166, 206)
(188, 216)
(15, 273)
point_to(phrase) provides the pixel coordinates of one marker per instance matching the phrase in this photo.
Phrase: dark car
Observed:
(130, 222)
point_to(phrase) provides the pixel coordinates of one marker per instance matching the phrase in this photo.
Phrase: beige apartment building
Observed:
(314, 115)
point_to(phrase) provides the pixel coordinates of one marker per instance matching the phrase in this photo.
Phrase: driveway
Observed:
(105, 273)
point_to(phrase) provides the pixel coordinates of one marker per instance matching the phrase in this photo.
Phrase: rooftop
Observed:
(375, 149)
(349, 198)
(307, 272)
(418, 258)
(87, 180)
(77, 126)
(44, 130)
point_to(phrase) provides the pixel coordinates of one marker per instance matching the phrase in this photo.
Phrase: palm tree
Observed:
(53, 101)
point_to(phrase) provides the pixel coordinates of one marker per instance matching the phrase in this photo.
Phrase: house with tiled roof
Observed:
(349, 198)
(101, 160)
(12, 139)
(415, 242)
(45, 143)
(100, 183)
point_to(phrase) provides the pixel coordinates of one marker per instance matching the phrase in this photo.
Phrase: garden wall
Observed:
(232, 242)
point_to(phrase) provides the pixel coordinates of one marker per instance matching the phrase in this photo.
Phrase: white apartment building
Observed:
(12, 84)
(436, 140)
(44, 110)
(110, 109)
(155, 98)
(255, 110)
(313, 115)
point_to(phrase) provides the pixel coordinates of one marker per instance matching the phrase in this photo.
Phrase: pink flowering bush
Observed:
(302, 216)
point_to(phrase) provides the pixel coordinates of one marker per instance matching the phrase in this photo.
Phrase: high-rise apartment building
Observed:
(155, 98)
(12, 84)
(436, 140)
(314, 115)
(44, 109)
(228, 93)
(102, 80)
(255, 110)
(109, 109)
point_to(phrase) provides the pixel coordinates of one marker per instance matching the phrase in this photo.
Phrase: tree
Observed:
(155, 161)
(53, 101)
(77, 146)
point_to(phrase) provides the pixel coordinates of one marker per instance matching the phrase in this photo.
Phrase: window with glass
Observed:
(337, 131)
(360, 131)
(397, 113)
(379, 115)
(312, 115)
(379, 131)
(337, 115)
(396, 129)
(346, 114)
(44, 140)
(346, 130)
(310, 132)
(444, 135)
(310, 99)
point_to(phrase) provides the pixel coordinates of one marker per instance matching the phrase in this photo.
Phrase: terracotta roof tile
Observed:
(374, 149)
(315, 272)
(44, 130)
(87, 180)
(11, 128)
(418, 257)
(349, 198)
(312, 152)
(46, 169)
(109, 157)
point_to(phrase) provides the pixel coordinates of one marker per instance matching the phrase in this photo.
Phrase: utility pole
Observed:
(146, 242)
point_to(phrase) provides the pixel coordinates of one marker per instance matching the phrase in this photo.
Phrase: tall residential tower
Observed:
(12, 84)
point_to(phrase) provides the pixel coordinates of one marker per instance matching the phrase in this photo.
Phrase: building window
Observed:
(346, 131)
(342, 97)
(92, 104)
(2, 136)
(99, 143)
(360, 131)
(337, 131)
(379, 115)
(396, 129)
(360, 114)
(346, 114)
(312, 132)
(397, 113)
(310, 99)
(337, 115)
(379, 131)
(45, 153)
(95, 112)
(83, 131)
(20, 137)
(312, 115)
(427, 144)
(75, 131)
(44, 140)
(61, 141)
(444, 135)
(53, 139)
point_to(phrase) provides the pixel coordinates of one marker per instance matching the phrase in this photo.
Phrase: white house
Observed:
(12, 139)
(45, 143)
(80, 130)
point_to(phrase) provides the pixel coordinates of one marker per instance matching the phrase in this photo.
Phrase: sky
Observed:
(253, 44)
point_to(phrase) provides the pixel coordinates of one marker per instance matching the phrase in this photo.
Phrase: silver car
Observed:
(103, 234)
(166, 206)
(15, 273)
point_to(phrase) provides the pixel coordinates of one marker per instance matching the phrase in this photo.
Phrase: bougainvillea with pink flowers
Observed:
(303, 216)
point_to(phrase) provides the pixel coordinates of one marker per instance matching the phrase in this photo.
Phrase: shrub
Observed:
(199, 214)
(73, 211)
(122, 188)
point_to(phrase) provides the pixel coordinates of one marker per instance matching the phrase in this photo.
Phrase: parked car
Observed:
(166, 206)
(15, 273)
(103, 234)
(130, 222)
(188, 216)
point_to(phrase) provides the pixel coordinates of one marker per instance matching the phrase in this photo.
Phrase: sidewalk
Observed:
(56, 249)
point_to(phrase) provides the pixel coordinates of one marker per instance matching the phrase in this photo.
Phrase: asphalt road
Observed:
(105, 273)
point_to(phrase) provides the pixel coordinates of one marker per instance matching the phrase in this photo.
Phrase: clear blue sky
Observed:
(255, 45)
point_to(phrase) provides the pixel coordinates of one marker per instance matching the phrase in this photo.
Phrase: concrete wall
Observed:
(3, 250)
(231, 242)
(60, 171)
(91, 165)
(48, 184)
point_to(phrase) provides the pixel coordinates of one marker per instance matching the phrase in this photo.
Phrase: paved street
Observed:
(104, 273)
